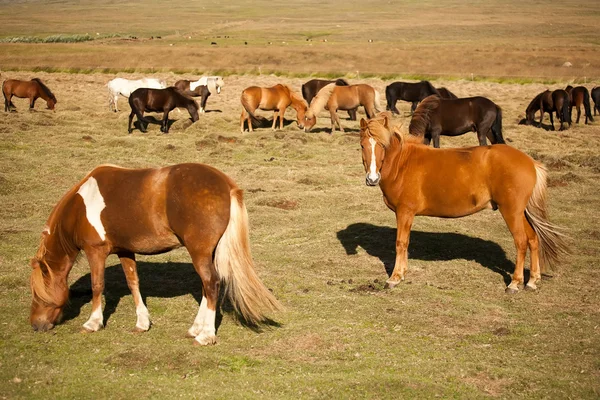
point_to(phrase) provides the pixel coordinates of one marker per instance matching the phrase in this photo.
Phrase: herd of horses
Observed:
(121, 211)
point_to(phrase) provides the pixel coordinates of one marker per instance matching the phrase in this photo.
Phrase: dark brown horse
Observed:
(411, 92)
(580, 96)
(159, 100)
(125, 212)
(562, 107)
(312, 87)
(452, 183)
(27, 89)
(596, 97)
(445, 93)
(452, 117)
(543, 103)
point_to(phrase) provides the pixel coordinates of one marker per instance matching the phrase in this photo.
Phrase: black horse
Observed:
(445, 93)
(562, 107)
(200, 91)
(411, 92)
(312, 87)
(596, 98)
(452, 117)
(580, 96)
(548, 102)
(157, 100)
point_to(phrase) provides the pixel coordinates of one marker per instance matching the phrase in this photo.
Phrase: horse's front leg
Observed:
(404, 220)
(32, 103)
(335, 120)
(281, 115)
(275, 114)
(130, 268)
(165, 122)
(413, 107)
(96, 259)
(435, 134)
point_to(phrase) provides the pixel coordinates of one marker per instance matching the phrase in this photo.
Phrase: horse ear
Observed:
(386, 122)
(363, 123)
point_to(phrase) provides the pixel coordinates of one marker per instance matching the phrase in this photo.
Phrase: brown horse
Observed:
(277, 99)
(27, 89)
(334, 98)
(579, 96)
(312, 87)
(202, 88)
(451, 183)
(542, 103)
(122, 211)
(157, 100)
(596, 98)
(452, 117)
(445, 93)
(560, 100)
(411, 92)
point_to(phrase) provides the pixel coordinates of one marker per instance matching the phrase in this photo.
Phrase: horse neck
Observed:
(58, 252)
(395, 156)
(298, 104)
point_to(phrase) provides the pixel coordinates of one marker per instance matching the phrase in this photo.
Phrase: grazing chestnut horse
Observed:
(277, 99)
(579, 96)
(452, 117)
(450, 183)
(445, 93)
(411, 92)
(312, 87)
(123, 211)
(158, 100)
(27, 89)
(333, 98)
(596, 98)
(202, 88)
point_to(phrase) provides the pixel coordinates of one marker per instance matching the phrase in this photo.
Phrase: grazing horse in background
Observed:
(312, 87)
(596, 97)
(452, 117)
(579, 96)
(124, 87)
(333, 98)
(445, 93)
(277, 99)
(125, 212)
(411, 92)
(542, 103)
(159, 100)
(27, 89)
(560, 99)
(202, 88)
(452, 183)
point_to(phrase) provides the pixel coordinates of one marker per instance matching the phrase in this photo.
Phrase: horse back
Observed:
(458, 116)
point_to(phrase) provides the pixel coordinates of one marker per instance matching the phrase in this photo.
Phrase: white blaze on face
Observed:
(194, 85)
(373, 167)
(94, 204)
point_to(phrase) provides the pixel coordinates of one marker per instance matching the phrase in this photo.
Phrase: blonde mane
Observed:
(379, 128)
(320, 100)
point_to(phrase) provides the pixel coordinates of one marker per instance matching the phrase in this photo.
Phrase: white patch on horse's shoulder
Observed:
(94, 204)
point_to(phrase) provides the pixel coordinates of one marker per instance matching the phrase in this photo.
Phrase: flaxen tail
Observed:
(552, 242)
(378, 102)
(233, 261)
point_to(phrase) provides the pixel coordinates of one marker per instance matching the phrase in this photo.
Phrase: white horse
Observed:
(212, 83)
(124, 87)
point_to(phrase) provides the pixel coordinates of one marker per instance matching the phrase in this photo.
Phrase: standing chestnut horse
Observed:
(451, 183)
(452, 117)
(158, 100)
(122, 211)
(312, 87)
(277, 98)
(333, 98)
(27, 89)
(580, 96)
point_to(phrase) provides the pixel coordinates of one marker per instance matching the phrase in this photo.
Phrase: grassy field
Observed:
(321, 239)
(506, 40)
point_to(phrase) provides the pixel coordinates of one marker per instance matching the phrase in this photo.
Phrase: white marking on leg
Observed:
(96, 321)
(199, 321)
(94, 204)
(207, 335)
(373, 167)
(143, 317)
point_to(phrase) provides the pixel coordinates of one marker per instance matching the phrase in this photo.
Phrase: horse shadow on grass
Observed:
(546, 127)
(157, 280)
(380, 242)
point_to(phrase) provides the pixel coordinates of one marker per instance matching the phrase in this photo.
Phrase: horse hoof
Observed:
(510, 290)
(530, 288)
(390, 284)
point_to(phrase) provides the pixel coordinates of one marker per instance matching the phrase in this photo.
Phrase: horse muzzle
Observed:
(372, 181)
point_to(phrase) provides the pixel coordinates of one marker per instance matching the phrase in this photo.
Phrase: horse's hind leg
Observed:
(533, 243)
(164, 127)
(130, 269)
(413, 107)
(579, 115)
(130, 120)
(515, 221)
(32, 103)
(203, 329)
